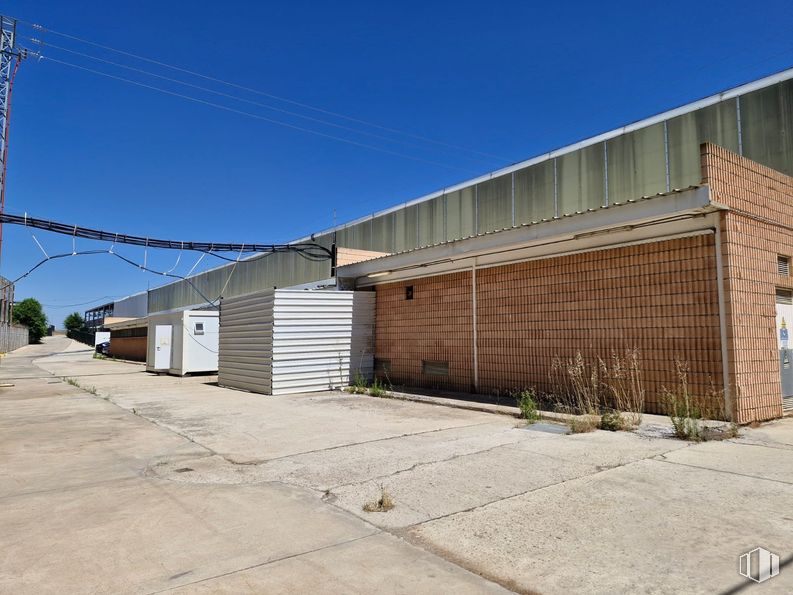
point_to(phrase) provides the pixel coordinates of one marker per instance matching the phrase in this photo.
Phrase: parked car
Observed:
(103, 348)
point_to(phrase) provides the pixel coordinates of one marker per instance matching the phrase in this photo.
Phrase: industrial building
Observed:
(182, 342)
(128, 338)
(282, 341)
(671, 235)
(133, 306)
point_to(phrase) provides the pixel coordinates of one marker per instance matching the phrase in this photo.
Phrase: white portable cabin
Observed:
(183, 342)
(285, 341)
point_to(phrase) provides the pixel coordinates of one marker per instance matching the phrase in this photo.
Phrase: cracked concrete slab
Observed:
(379, 563)
(648, 527)
(136, 534)
(252, 427)
(749, 460)
(82, 510)
(157, 483)
(438, 489)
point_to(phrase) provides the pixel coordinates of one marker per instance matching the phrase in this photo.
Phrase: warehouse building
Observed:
(698, 276)
(128, 338)
(662, 235)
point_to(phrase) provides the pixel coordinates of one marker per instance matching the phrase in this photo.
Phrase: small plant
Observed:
(612, 421)
(577, 385)
(624, 387)
(527, 403)
(683, 408)
(359, 384)
(89, 389)
(384, 502)
(358, 380)
(377, 389)
(583, 424)
(356, 390)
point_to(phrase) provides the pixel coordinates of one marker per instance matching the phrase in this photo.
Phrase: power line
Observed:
(251, 115)
(42, 44)
(308, 250)
(43, 29)
(43, 261)
(100, 299)
(312, 250)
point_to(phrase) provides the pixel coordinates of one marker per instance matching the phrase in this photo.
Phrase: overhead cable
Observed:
(43, 29)
(233, 97)
(129, 261)
(252, 115)
(311, 250)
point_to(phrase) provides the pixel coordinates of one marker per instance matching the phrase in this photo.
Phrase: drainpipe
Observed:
(473, 319)
(725, 361)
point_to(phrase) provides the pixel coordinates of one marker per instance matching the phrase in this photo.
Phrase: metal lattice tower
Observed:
(9, 62)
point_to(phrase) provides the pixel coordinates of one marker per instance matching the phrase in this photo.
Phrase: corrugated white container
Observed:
(183, 342)
(286, 341)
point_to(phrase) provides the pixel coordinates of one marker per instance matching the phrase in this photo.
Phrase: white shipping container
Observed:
(286, 341)
(183, 342)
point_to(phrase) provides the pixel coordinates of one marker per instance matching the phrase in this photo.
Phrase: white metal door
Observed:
(784, 324)
(162, 346)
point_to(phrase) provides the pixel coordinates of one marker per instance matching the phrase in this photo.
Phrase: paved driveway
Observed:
(142, 483)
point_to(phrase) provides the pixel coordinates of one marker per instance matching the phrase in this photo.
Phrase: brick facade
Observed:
(660, 297)
(757, 228)
(131, 348)
(433, 326)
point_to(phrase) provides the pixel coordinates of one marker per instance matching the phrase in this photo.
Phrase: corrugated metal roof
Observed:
(541, 221)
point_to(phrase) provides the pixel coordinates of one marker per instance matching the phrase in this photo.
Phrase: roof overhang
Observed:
(679, 213)
(125, 323)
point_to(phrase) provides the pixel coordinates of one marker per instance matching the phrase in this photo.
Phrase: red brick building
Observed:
(691, 275)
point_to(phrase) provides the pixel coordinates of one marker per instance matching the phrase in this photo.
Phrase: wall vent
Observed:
(784, 297)
(409, 292)
(382, 366)
(783, 265)
(434, 368)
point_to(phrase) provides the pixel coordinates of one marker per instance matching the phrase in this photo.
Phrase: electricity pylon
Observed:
(10, 57)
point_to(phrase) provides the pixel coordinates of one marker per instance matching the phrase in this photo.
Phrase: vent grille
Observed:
(784, 297)
(434, 368)
(783, 265)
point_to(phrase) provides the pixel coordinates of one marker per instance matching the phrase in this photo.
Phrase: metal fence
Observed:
(13, 336)
(86, 337)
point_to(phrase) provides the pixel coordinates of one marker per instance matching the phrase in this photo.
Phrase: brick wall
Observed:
(757, 228)
(660, 297)
(436, 325)
(131, 348)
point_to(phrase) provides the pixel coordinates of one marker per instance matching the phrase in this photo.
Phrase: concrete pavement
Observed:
(156, 483)
(80, 513)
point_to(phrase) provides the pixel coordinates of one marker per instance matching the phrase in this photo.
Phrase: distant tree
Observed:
(74, 322)
(30, 313)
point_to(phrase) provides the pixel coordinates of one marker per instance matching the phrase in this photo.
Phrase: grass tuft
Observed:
(527, 403)
(383, 503)
(377, 389)
(612, 421)
(583, 424)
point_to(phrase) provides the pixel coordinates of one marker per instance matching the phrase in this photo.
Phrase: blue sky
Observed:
(510, 79)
